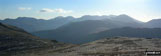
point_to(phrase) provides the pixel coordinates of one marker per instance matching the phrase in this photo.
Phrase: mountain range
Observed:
(41, 24)
(80, 31)
(32, 24)
(90, 35)
(17, 42)
(77, 30)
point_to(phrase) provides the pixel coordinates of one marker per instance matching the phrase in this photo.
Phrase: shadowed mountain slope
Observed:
(77, 32)
(130, 32)
(155, 23)
(13, 40)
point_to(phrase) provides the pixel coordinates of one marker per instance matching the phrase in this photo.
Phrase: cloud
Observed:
(24, 8)
(55, 10)
(63, 11)
(46, 10)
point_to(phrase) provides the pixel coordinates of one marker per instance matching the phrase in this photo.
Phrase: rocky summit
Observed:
(115, 46)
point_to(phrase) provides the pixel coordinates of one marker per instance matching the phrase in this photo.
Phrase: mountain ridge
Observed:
(41, 24)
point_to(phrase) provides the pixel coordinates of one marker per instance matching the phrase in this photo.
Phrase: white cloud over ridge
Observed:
(47, 10)
(24, 8)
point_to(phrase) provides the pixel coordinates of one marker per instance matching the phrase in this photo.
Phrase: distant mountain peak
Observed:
(124, 16)
(156, 19)
(89, 16)
(61, 17)
(25, 18)
(69, 17)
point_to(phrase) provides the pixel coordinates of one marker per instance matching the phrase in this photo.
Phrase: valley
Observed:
(85, 36)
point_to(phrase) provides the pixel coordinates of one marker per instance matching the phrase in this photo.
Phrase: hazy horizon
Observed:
(142, 10)
(77, 17)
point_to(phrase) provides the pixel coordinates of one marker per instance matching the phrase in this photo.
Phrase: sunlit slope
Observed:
(116, 46)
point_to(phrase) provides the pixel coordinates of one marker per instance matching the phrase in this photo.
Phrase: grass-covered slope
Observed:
(13, 39)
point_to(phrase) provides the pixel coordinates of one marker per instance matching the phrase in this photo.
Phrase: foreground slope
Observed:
(115, 46)
(13, 40)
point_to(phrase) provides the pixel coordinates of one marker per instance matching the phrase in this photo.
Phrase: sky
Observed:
(143, 10)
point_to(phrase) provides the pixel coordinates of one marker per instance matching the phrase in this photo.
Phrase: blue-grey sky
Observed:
(143, 10)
